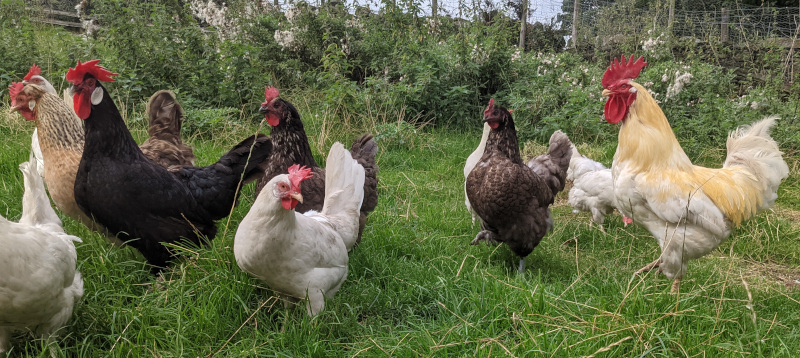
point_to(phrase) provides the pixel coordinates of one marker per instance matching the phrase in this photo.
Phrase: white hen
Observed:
(592, 187)
(40, 284)
(472, 160)
(303, 255)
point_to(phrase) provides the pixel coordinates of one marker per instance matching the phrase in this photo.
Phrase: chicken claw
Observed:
(676, 286)
(649, 266)
(489, 237)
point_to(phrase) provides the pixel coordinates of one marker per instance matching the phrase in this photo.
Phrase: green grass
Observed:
(416, 286)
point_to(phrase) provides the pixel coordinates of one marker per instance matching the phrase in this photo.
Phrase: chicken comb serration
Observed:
(270, 93)
(34, 71)
(13, 91)
(621, 69)
(75, 75)
(298, 174)
(489, 108)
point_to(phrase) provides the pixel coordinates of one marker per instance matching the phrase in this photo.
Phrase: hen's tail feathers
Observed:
(364, 151)
(552, 167)
(344, 190)
(753, 148)
(36, 152)
(165, 115)
(36, 209)
(216, 186)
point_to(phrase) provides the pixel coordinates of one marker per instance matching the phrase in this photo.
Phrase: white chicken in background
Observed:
(34, 76)
(303, 255)
(592, 187)
(472, 160)
(40, 284)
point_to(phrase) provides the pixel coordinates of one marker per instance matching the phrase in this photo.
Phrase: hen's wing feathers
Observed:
(216, 186)
(552, 167)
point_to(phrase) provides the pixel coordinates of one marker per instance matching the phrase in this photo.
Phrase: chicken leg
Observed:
(649, 266)
(676, 286)
(522, 265)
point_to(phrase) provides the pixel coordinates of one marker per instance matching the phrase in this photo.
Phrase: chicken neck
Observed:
(646, 140)
(106, 133)
(57, 125)
(505, 141)
(290, 143)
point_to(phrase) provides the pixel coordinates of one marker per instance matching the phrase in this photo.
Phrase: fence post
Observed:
(576, 14)
(524, 27)
(723, 29)
(671, 15)
(434, 5)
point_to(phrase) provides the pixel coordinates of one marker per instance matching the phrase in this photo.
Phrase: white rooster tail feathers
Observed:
(552, 167)
(751, 146)
(36, 209)
(344, 188)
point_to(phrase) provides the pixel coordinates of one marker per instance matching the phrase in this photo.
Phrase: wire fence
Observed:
(599, 19)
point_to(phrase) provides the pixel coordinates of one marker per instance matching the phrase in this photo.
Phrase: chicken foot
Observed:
(487, 236)
(676, 286)
(521, 265)
(649, 266)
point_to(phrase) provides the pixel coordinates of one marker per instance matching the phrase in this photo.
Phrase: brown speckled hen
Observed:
(164, 145)
(290, 146)
(512, 198)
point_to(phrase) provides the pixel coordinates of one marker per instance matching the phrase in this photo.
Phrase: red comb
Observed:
(490, 107)
(13, 91)
(34, 71)
(620, 69)
(270, 93)
(75, 75)
(298, 174)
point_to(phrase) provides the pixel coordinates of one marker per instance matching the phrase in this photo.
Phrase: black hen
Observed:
(290, 145)
(138, 200)
(511, 198)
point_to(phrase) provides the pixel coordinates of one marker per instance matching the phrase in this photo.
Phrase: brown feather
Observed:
(164, 145)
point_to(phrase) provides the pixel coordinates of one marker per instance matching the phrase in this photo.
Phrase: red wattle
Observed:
(83, 106)
(493, 125)
(289, 203)
(616, 107)
(273, 120)
(28, 115)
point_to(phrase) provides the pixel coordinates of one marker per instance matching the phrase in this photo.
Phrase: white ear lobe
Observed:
(31, 104)
(97, 95)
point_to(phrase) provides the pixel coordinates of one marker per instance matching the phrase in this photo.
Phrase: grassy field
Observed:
(417, 288)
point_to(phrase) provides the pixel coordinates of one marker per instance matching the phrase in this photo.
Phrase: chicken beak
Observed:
(297, 196)
(606, 93)
(262, 110)
(485, 119)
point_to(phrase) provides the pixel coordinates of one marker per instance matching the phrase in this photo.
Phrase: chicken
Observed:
(34, 76)
(688, 209)
(60, 135)
(303, 255)
(40, 284)
(164, 145)
(591, 187)
(138, 200)
(291, 147)
(511, 198)
(471, 161)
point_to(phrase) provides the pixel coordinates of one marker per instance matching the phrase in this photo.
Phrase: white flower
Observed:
(680, 80)
(755, 105)
(664, 78)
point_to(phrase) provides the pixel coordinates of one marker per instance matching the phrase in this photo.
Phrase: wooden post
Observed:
(434, 5)
(524, 27)
(576, 14)
(671, 15)
(723, 30)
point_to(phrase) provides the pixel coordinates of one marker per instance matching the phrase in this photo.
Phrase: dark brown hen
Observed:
(290, 146)
(511, 198)
(164, 145)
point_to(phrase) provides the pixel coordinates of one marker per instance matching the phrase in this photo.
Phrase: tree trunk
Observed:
(524, 25)
(576, 15)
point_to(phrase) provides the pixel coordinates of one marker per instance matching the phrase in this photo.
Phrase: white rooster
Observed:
(40, 284)
(303, 255)
(592, 187)
(472, 160)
